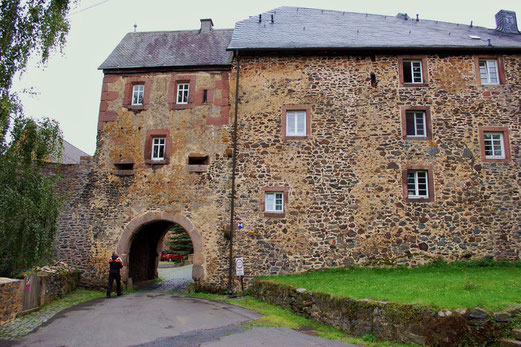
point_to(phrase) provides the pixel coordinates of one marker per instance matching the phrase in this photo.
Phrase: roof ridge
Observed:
(173, 31)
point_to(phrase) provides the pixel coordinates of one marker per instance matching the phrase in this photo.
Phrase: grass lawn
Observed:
(278, 317)
(490, 285)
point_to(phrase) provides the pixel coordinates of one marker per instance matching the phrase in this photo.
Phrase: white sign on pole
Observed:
(239, 267)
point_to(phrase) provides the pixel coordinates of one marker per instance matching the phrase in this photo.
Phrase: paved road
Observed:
(155, 318)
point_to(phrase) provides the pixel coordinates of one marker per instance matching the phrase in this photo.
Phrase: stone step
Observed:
(509, 343)
(516, 333)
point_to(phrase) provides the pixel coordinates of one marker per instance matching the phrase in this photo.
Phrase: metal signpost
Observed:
(239, 271)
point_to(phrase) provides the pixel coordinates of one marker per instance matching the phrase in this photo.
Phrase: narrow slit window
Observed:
(182, 93)
(138, 92)
(158, 148)
(198, 160)
(205, 96)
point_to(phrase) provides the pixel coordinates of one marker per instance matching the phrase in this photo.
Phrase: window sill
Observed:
(197, 168)
(136, 107)
(182, 106)
(407, 85)
(415, 200)
(495, 160)
(416, 138)
(275, 214)
(156, 162)
(289, 138)
(123, 173)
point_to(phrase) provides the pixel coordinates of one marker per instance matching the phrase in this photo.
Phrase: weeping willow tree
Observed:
(28, 204)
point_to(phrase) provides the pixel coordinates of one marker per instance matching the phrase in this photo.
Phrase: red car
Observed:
(171, 257)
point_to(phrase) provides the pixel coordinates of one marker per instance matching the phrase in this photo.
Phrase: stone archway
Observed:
(134, 226)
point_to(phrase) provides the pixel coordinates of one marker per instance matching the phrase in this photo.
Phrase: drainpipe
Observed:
(234, 163)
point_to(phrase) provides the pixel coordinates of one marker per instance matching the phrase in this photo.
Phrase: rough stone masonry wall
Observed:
(392, 321)
(345, 195)
(115, 199)
(11, 299)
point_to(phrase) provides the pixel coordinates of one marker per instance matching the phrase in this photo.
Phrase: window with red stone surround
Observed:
(290, 108)
(413, 58)
(506, 144)
(156, 133)
(405, 110)
(284, 191)
(500, 68)
(175, 81)
(430, 182)
(129, 87)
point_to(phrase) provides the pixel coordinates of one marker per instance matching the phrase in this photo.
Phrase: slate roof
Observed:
(171, 49)
(70, 155)
(307, 28)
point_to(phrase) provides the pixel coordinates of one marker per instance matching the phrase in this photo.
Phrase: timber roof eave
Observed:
(162, 69)
(368, 50)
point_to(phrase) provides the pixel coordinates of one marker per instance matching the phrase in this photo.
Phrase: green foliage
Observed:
(29, 207)
(179, 241)
(485, 283)
(369, 338)
(274, 316)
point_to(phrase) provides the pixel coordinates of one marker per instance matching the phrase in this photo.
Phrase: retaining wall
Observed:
(52, 286)
(11, 299)
(392, 321)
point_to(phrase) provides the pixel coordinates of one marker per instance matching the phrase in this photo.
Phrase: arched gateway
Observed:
(140, 242)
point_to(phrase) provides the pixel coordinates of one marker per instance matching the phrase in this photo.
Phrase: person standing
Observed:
(115, 264)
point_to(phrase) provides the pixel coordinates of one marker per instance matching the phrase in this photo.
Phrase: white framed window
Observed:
(416, 124)
(494, 145)
(158, 148)
(417, 184)
(296, 123)
(488, 71)
(138, 92)
(182, 93)
(274, 202)
(412, 71)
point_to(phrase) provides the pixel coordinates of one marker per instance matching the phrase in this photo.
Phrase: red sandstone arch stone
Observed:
(150, 217)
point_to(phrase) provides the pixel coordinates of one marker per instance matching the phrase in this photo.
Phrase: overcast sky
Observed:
(69, 88)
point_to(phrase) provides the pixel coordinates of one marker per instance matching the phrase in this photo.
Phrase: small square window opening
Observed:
(158, 148)
(274, 202)
(412, 71)
(488, 71)
(416, 124)
(296, 123)
(417, 184)
(182, 93)
(494, 145)
(138, 92)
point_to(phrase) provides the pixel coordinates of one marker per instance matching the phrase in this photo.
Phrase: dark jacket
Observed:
(115, 264)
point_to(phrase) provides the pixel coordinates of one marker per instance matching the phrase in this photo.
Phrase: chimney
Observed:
(206, 25)
(506, 22)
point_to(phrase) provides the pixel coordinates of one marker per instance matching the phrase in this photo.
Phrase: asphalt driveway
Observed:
(159, 319)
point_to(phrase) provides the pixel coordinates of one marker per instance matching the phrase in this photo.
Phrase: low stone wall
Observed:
(11, 297)
(55, 285)
(391, 321)
(52, 286)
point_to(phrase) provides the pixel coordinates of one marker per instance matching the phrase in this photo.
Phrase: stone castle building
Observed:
(335, 138)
